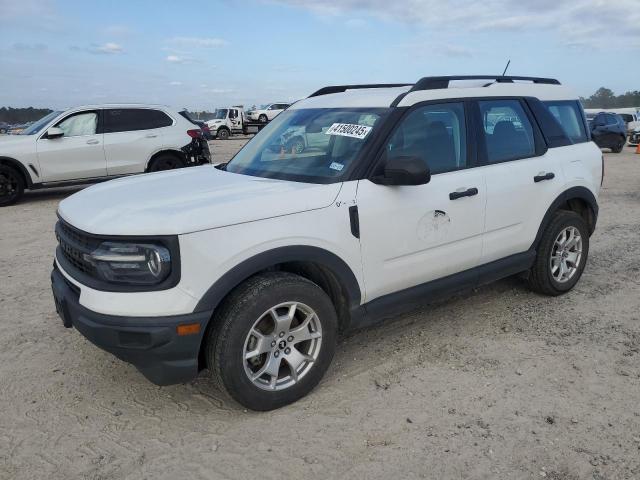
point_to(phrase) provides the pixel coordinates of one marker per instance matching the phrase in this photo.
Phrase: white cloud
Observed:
(177, 59)
(568, 20)
(198, 42)
(175, 83)
(109, 47)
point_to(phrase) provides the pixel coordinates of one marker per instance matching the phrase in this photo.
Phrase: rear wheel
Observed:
(165, 162)
(619, 146)
(561, 255)
(273, 340)
(11, 185)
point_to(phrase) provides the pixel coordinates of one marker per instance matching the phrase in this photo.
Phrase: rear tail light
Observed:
(195, 133)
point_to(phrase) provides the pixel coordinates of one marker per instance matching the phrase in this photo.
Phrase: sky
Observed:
(203, 55)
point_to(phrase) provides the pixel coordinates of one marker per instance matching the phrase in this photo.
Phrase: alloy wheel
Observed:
(566, 254)
(9, 185)
(282, 346)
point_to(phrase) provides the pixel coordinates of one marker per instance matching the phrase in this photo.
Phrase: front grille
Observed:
(73, 245)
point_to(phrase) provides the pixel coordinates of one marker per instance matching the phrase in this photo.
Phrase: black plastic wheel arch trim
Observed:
(581, 193)
(262, 261)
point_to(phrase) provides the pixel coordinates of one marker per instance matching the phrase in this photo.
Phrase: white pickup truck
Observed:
(232, 121)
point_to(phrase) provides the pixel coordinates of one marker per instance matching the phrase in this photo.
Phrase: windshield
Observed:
(221, 114)
(309, 145)
(40, 124)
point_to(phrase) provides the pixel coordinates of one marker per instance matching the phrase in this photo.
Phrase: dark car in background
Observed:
(608, 130)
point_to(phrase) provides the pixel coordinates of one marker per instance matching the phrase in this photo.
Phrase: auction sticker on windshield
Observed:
(348, 130)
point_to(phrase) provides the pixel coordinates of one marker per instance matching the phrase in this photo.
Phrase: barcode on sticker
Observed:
(349, 130)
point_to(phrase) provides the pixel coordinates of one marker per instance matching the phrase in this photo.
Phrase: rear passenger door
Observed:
(131, 137)
(522, 176)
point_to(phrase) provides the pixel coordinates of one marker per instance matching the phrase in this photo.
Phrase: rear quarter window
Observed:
(569, 116)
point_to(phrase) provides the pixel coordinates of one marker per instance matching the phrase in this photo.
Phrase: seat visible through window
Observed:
(436, 134)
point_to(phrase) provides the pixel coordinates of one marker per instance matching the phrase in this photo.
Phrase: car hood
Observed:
(188, 200)
(8, 141)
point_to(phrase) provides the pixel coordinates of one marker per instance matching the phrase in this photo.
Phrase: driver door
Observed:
(76, 155)
(411, 235)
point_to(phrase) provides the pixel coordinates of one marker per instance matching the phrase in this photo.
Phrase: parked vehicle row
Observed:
(398, 194)
(95, 143)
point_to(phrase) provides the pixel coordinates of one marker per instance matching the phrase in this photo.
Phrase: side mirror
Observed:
(404, 170)
(55, 132)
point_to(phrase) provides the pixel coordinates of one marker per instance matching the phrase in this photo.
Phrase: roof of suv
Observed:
(434, 88)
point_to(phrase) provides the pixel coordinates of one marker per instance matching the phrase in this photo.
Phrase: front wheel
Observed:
(273, 340)
(223, 134)
(263, 118)
(561, 254)
(11, 186)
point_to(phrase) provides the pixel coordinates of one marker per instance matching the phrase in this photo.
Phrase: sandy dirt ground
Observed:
(500, 383)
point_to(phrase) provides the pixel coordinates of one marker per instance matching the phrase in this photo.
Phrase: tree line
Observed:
(605, 98)
(22, 115)
(602, 98)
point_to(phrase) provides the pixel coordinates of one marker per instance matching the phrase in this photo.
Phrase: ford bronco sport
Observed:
(252, 269)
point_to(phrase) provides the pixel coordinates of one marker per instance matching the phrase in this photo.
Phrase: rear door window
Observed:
(569, 117)
(507, 130)
(132, 119)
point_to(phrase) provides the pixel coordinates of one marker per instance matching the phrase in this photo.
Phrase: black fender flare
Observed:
(581, 193)
(20, 167)
(262, 261)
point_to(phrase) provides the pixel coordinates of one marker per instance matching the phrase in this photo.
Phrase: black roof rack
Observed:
(344, 88)
(433, 83)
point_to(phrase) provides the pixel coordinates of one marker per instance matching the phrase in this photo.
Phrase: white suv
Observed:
(95, 143)
(266, 113)
(252, 269)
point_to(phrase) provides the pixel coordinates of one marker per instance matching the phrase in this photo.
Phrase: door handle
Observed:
(469, 192)
(543, 176)
(151, 135)
(93, 142)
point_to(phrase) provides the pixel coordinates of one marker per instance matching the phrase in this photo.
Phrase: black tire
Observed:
(166, 161)
(12, 185)
(225, 343)
(619, 147)
(223, 134)
(296, 145)
(263, 118)
(541, 277)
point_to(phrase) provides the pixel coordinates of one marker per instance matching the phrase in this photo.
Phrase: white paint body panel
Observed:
(188, 200)
(413, 234)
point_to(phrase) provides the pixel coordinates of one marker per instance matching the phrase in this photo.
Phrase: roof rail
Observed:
(433, 83)
(344, 88)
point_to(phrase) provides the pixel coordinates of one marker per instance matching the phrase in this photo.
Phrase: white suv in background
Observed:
(266, 113)
(97, 142)
(252, 269)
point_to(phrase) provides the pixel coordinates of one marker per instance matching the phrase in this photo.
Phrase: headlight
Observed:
(131, 263)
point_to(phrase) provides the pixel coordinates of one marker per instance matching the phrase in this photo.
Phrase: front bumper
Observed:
(151, 344)
(634, 138)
